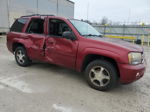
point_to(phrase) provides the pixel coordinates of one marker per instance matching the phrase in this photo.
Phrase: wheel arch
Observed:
(17, 44)
(91, 57)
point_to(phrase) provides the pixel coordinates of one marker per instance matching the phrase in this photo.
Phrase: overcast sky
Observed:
(115, 10)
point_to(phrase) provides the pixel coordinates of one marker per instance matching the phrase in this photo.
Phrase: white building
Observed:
(12, 9)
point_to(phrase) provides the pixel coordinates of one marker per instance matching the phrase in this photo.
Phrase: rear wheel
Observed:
(101, 75)
(21, 57)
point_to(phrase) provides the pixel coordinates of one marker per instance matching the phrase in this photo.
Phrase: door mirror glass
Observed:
(68, 35)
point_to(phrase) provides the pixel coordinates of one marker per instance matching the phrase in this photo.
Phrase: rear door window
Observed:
(36, 26)
(18, 25)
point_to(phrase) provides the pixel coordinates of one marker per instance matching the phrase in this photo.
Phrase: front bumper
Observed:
(130, 73)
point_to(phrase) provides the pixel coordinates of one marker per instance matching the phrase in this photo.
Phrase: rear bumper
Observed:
(130, 73)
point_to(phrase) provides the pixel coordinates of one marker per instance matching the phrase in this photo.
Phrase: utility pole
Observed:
(129, 16)
(37, 6)
(124, 29)
(8, 13)
(87, 11)
(57, 8)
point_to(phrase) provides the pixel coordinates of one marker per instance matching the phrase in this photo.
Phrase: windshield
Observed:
(84, 28)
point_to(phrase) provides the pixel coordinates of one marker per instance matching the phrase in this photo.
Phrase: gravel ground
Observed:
(49, 88)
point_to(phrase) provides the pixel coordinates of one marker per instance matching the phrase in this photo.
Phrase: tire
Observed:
(101, 75)
(21, 57)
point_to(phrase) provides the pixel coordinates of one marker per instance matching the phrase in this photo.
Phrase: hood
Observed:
(120, 43)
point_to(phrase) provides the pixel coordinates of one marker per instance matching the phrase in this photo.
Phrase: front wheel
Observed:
(21, 57)
(101, 75)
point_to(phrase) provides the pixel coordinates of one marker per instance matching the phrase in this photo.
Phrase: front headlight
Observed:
(135, 58)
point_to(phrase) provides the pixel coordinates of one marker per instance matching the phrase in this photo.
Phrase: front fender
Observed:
(102, 52)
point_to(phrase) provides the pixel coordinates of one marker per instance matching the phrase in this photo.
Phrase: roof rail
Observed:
(47, 15)
(31, 15)
(38, 15)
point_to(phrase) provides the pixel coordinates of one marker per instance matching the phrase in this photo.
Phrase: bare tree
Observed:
(104, 21)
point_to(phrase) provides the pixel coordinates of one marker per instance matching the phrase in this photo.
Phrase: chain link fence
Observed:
(140, 32)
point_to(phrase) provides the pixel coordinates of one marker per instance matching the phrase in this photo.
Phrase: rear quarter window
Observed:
(18, 25)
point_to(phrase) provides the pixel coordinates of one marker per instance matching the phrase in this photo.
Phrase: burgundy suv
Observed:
(76, 45)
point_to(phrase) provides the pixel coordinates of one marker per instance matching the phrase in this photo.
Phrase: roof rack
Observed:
(47, 15)
(37, 15)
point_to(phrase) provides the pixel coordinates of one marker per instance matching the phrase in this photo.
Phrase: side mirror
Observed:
(69, 35)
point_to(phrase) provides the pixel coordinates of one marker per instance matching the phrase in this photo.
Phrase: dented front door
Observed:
(37, 47)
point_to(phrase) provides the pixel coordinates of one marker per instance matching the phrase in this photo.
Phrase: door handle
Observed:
(51, 42)
(26, 37)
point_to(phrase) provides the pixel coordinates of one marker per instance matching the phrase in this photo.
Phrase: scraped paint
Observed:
(61, 108)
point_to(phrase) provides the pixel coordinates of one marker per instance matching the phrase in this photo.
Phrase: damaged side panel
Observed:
(37, 48)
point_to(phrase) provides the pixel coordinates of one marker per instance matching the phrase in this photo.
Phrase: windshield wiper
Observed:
(92, 35)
